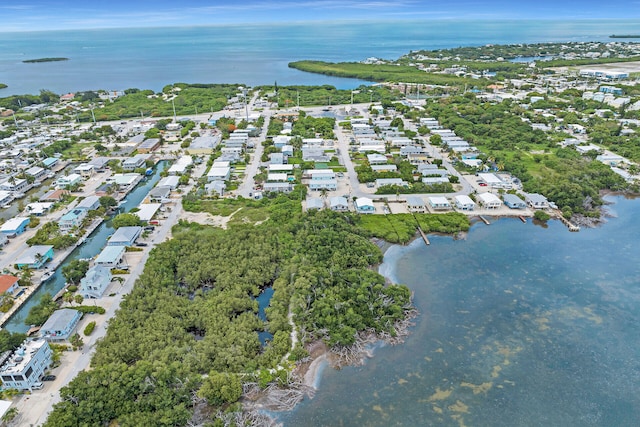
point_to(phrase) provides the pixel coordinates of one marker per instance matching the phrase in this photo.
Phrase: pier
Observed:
(485, 220)
(572, 227)
(523, 219)
(424, 236)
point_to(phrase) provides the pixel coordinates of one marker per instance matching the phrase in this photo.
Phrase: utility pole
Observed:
(173, 104)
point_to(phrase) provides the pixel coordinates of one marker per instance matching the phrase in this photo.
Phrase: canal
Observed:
(89, 249)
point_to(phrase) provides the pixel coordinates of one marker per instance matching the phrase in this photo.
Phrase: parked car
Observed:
(482, 184)
(49, 378)
(149, 228)
(141, 244)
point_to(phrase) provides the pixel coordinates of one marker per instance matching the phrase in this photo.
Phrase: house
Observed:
(106, 189)
(384, 168)
(8, 284)
(276, 158)
(14, 226)
(338, 204)
(68, 181)
(219, 174)
(86, 170)
(148, 145)
(22, 368)
(36, 172)
(180, 166)
(136, 162)
(489, 200)
(278, 187)
(277, 177)
(54, 196)
(111, 257)
(34, 257)
(281, 168)
(6, 197)
(610, 159)
(391, 181)
(439, 203)
(376, 159)
(60, 325)
(71, 219)
(416, 204)
(38, 208)
(287, 150)
(50, 162)
(491, 180)
(314, 203)
(203, 144)
(464, 203)
(99, 163)
(124, 180)
(89, 203)
(95, 282)
(584, 149)
(15, 184)
(216, 187)
(147, 211)
(514, 202)
(169, 181)
(323, 184)
(160, 195)
(536, 201)
(125, 236)
(364, 205)
(314, 154)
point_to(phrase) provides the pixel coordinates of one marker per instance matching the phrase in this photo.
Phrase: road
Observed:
(248, 183)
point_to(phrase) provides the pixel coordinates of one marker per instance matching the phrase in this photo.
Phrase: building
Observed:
(376, 159)
(95, 282)
(72, 219)
(54, 196)
(35, 257)
(22, 368)
(464, 203)
(380, 182)
(136, 162)
(219, 174)
(68, 181)
(50, 162)
(180, 166)
(439, 203)
(364, 205)
(36, 172)
(338, 204)
(124, 180)
(5, 197)
(514, 202)
(89, 203)
(111, 257)
(216, 187)
(489, 200)
(86, 170)
(278, 187)
(15, 184)
(384, 168)
(125, 236)
(148, 145)
(169, 181)
(60, 325)
(147, 211)
(203, 144)
(314, 203)
(416, 204)
(15, 226)
(8, 284)
(99, 163)
(537, 201)
(160, 195)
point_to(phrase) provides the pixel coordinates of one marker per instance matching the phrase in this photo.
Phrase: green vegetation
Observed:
(9, 341)
(126, 220)
(541, 216)
(3, 86)
(75, 270)
(39, 313)
(89, 328)
(50, 234)
(400, 228)
(290, 96)
(30, 61)
(190, 324)
(384, 73)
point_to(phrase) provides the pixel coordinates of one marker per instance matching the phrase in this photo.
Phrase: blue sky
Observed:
(30, 15)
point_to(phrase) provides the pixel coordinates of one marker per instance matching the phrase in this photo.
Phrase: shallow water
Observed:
(520, 325)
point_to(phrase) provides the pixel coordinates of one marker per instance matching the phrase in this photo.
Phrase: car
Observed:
(339, 174)
(49, 378)
(482, 184)
(141, 244)
(370, 185)
(149, 228)
(37, 386)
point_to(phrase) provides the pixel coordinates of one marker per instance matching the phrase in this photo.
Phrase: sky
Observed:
(33, 15)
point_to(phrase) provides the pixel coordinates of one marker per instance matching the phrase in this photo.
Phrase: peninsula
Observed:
(32, 61)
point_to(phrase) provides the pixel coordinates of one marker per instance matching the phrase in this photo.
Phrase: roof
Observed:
(49, 161)
(110, 255)
(464, 199)
(536, 198)
(315, 203)
(88, 202)
(14, 223)
(512, 199)
(169, 181)
(489, 198)
(125, 235)
(54, 195)
(97, 273)
(338, 201)
(363, 201)
(415, 201)
(219, 171)
(147, 211)
(60, 320)
(29, 254)
(6, 282)
(99, 162)
(439, 200)
(161, 192)
(489, 178)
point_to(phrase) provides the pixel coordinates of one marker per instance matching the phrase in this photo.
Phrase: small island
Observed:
(30, 61)
(624, 36)
(3, 86)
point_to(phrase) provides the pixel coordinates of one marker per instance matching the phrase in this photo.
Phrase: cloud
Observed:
(18, 6)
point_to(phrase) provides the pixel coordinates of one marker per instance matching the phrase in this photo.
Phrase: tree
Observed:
(78, 299)
(126, 220)
(75, 270)
(40, 313)
(67, 297)
(220, 388)
(107, 202)
(541, 216)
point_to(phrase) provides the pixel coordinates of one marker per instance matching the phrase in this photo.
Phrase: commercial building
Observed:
(22, 368)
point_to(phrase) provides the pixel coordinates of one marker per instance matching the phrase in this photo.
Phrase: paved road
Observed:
(252, 168)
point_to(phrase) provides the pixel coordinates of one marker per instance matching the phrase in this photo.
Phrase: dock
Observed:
(523, 219)
(570, 226)
(424, 236)
(485, 220)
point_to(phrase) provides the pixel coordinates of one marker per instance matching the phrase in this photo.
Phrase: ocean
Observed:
(520, 325)
(150, 58)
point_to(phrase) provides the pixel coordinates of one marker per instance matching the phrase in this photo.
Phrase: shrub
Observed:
(89, 328)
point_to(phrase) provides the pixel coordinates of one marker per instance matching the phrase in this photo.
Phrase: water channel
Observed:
(89, 249)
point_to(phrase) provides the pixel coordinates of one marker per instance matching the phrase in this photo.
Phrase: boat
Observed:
(149, 172)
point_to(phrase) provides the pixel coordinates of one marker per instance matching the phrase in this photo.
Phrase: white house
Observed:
(439, 203)
(339, 204)
(489, 200)
(416, 204)
(536, 201)
(464, 203)
(364, 205)
(68, 181)
(219, 174)
(95, 282)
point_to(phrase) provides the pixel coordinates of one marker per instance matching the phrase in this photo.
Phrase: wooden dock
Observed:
(523, 219)
(424, 236)
(570, 226)
(485, 220)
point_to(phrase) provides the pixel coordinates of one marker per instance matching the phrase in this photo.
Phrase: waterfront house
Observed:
(125, 236)
(160, 195)
(147, 211)
(68, 181)
(89, 203)
(36, 171)
(181, 165)
(169, 181)
(513, 202)
(15, 185)
(54, 196)
(125, 180)
(111, 257)
(489, 200)
(364, 205)
(50, 162)
(8, 284)
(60, 325)
(15, 226)
(338, 204)
(95, 282)
(22, 368)
(464, 202)
(71, 219)
(34, 257)
(439, 203)
(135, 162)
(148, 145)
(536, 201)
(416, 204)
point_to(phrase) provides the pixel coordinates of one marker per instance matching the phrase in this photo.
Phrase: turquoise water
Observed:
(520, 326)
(151, 58)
